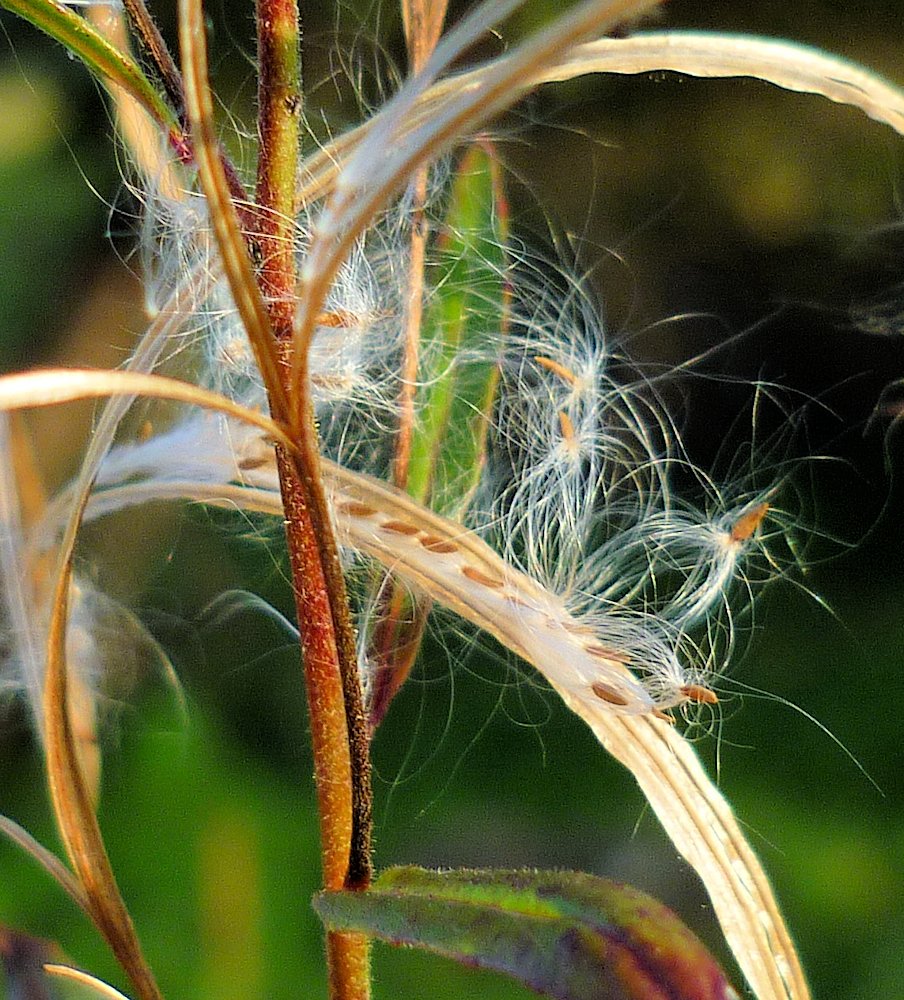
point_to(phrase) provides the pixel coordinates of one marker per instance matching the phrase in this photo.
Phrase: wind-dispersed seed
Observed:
(608, 694)
(700, 694)
(565, 423)
(434, 543)
(748, 522)
(482, 578)
(355, 509)
(337, 318)
(566, 374)
(399, 528)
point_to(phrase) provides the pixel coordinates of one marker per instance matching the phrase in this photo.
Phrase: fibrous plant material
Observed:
(563, 536)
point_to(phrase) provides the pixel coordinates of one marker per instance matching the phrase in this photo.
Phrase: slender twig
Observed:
(152, 40)
(146, 28)
(48, 861)
(414, 307)
(423, 24)
(395, 643)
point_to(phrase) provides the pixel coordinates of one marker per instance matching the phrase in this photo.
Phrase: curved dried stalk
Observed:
(71, 796)
(47, 860)
(788, 65)
(230, 241)
(432, 553)
(701, 825)
(50, 386)
(714, 55)
(693, 812)
(97, 986)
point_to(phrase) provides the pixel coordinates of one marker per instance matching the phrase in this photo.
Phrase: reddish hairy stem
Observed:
(338, 732)
(348, 961)
(279, 107)
(315, 556)
(326, 702)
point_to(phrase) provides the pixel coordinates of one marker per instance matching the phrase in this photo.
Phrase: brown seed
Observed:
(658, 713)
(355, 509)
(700, 694)
(433, 543)
(566, 374)
(482, 578)
(608, 694)
(254, 462)
(567, 427)
(399, 527)
(337, 318)
(748, 522)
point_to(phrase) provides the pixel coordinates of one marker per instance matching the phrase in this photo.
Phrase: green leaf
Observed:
(468, 308)
(563, 934)
(103, 59)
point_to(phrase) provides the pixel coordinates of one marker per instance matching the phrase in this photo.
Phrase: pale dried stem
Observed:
(414, 310)
(712, 55)
(423, 24)
(96, 986)
(459, 571)
(47, 860)
(139, 132)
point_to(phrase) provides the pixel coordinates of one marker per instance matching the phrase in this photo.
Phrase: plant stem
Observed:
(423, 22)
(338, 731)
(395, 643)
(337, 720)
(326, 702)
(146, 29)
(279, 108)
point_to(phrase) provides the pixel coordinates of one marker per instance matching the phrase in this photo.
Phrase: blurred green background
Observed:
(729, 205)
